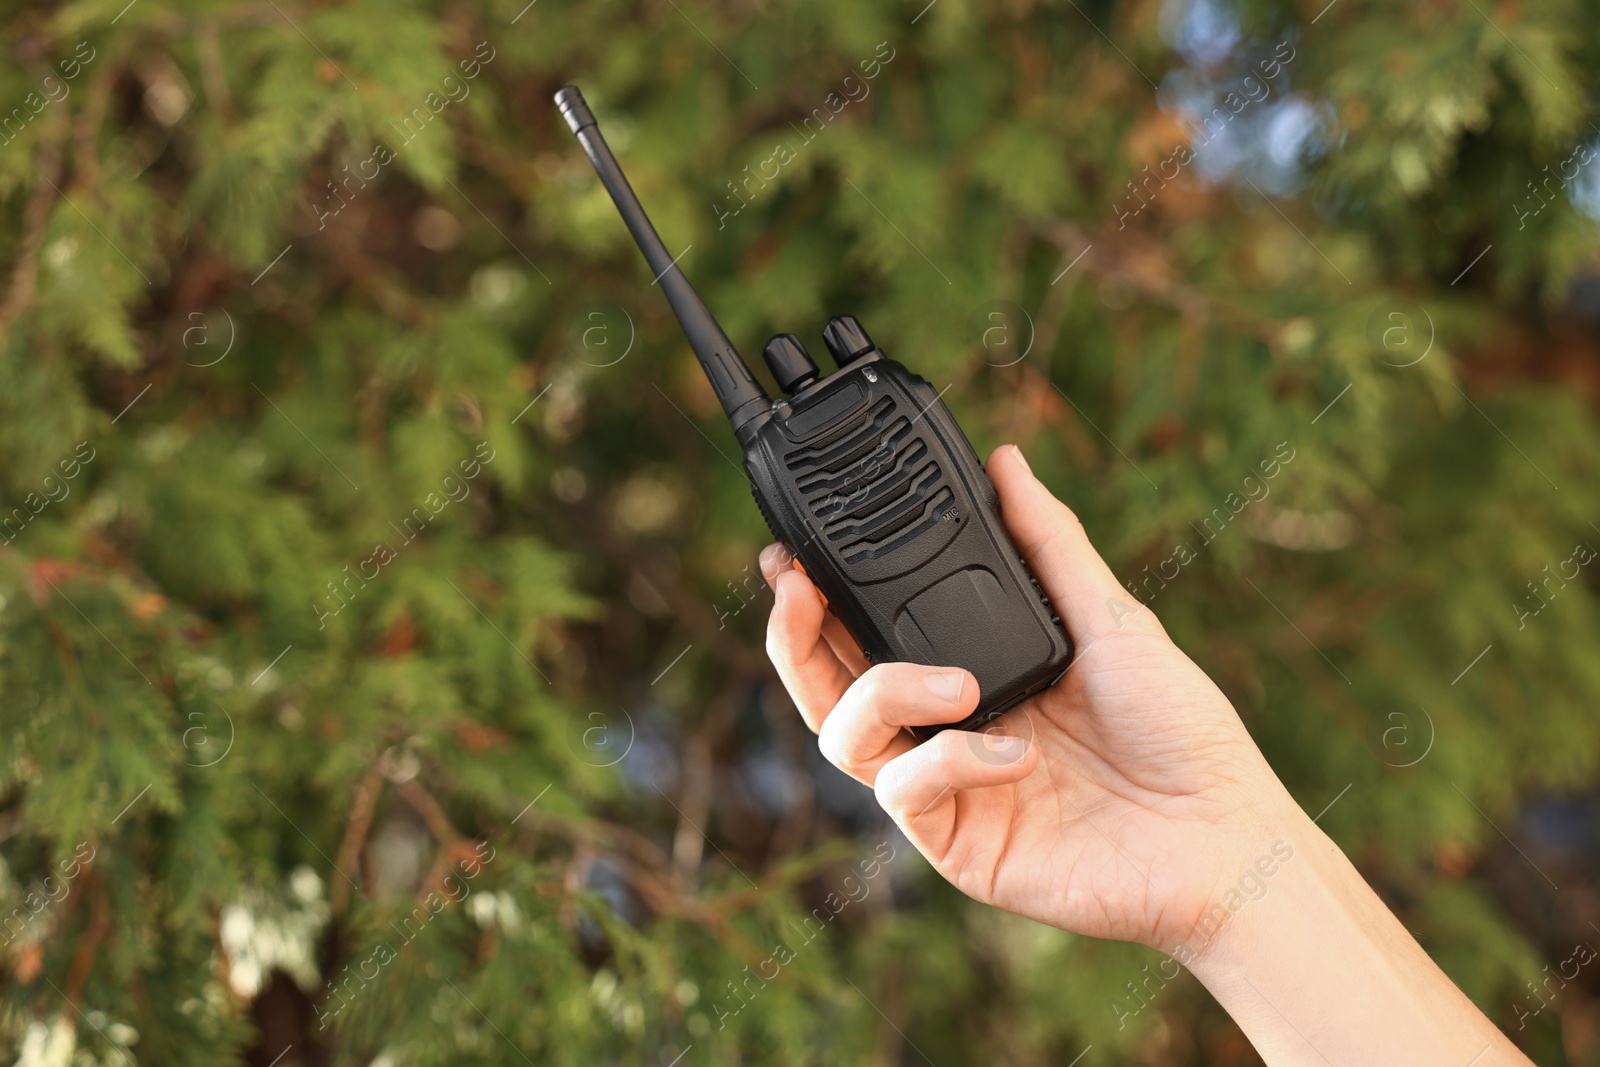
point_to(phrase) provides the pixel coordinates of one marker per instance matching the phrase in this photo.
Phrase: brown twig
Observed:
(1053, 311)
(355, 834)
(790, 874)
(621, 840)
(648, 871)
(693, 806)
(889, 1004)
(793, 740)
(99, 926)
(573, 878)
(213, 71)
(686, 607)
(378, 281)
(432, 812)
(1135, 267)
(85, 153)
(454, 847)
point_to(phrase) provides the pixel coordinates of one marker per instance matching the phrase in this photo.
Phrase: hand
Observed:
(1127, 801)
(1123, 802)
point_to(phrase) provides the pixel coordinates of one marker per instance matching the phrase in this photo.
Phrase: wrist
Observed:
(1266, 837)
(1288, 868)
(1318, 969)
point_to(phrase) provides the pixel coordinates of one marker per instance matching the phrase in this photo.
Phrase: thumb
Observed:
(1054, 543)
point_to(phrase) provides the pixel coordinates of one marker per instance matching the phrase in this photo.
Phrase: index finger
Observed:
(806, 663)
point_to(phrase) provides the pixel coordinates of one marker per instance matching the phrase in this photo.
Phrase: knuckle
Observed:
(1069, 518)
(839, 741)
(891, 788)
(777, 647)
(1040, 546)
(1063, 532)
(873, 689)
(945, 748)
(1136, 619)
(782, 643)
(831, 742)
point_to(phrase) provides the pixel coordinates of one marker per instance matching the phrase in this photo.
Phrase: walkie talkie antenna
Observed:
(730, 378)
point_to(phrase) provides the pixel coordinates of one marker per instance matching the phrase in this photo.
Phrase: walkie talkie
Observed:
(867, 477)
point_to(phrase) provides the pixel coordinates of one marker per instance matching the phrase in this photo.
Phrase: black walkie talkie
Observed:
(868, 478)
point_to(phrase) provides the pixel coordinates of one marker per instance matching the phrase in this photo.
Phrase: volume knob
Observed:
(789, 362)
(846, 339)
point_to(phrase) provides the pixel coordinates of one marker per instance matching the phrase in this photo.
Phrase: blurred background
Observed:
(381, 643)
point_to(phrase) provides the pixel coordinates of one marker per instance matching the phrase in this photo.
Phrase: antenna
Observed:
(730, 378)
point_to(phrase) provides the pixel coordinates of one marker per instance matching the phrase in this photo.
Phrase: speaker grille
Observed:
(871, 484)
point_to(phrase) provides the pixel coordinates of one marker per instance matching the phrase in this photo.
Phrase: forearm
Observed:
(1320, 972)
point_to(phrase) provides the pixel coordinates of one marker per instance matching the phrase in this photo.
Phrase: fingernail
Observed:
(774, 558)
(1008, 749)
(946, 686)
(1022, 459)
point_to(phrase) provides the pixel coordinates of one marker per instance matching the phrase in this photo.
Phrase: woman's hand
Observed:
(1123, 802)
(1127, 801)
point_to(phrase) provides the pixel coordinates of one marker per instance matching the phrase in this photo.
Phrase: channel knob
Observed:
(791, 365)
(846, 339)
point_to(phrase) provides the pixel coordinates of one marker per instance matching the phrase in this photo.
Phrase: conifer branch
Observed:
(690, 610)
(25, 271)
(86, 133)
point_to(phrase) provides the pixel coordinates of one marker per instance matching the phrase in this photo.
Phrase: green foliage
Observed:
(383, 537)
